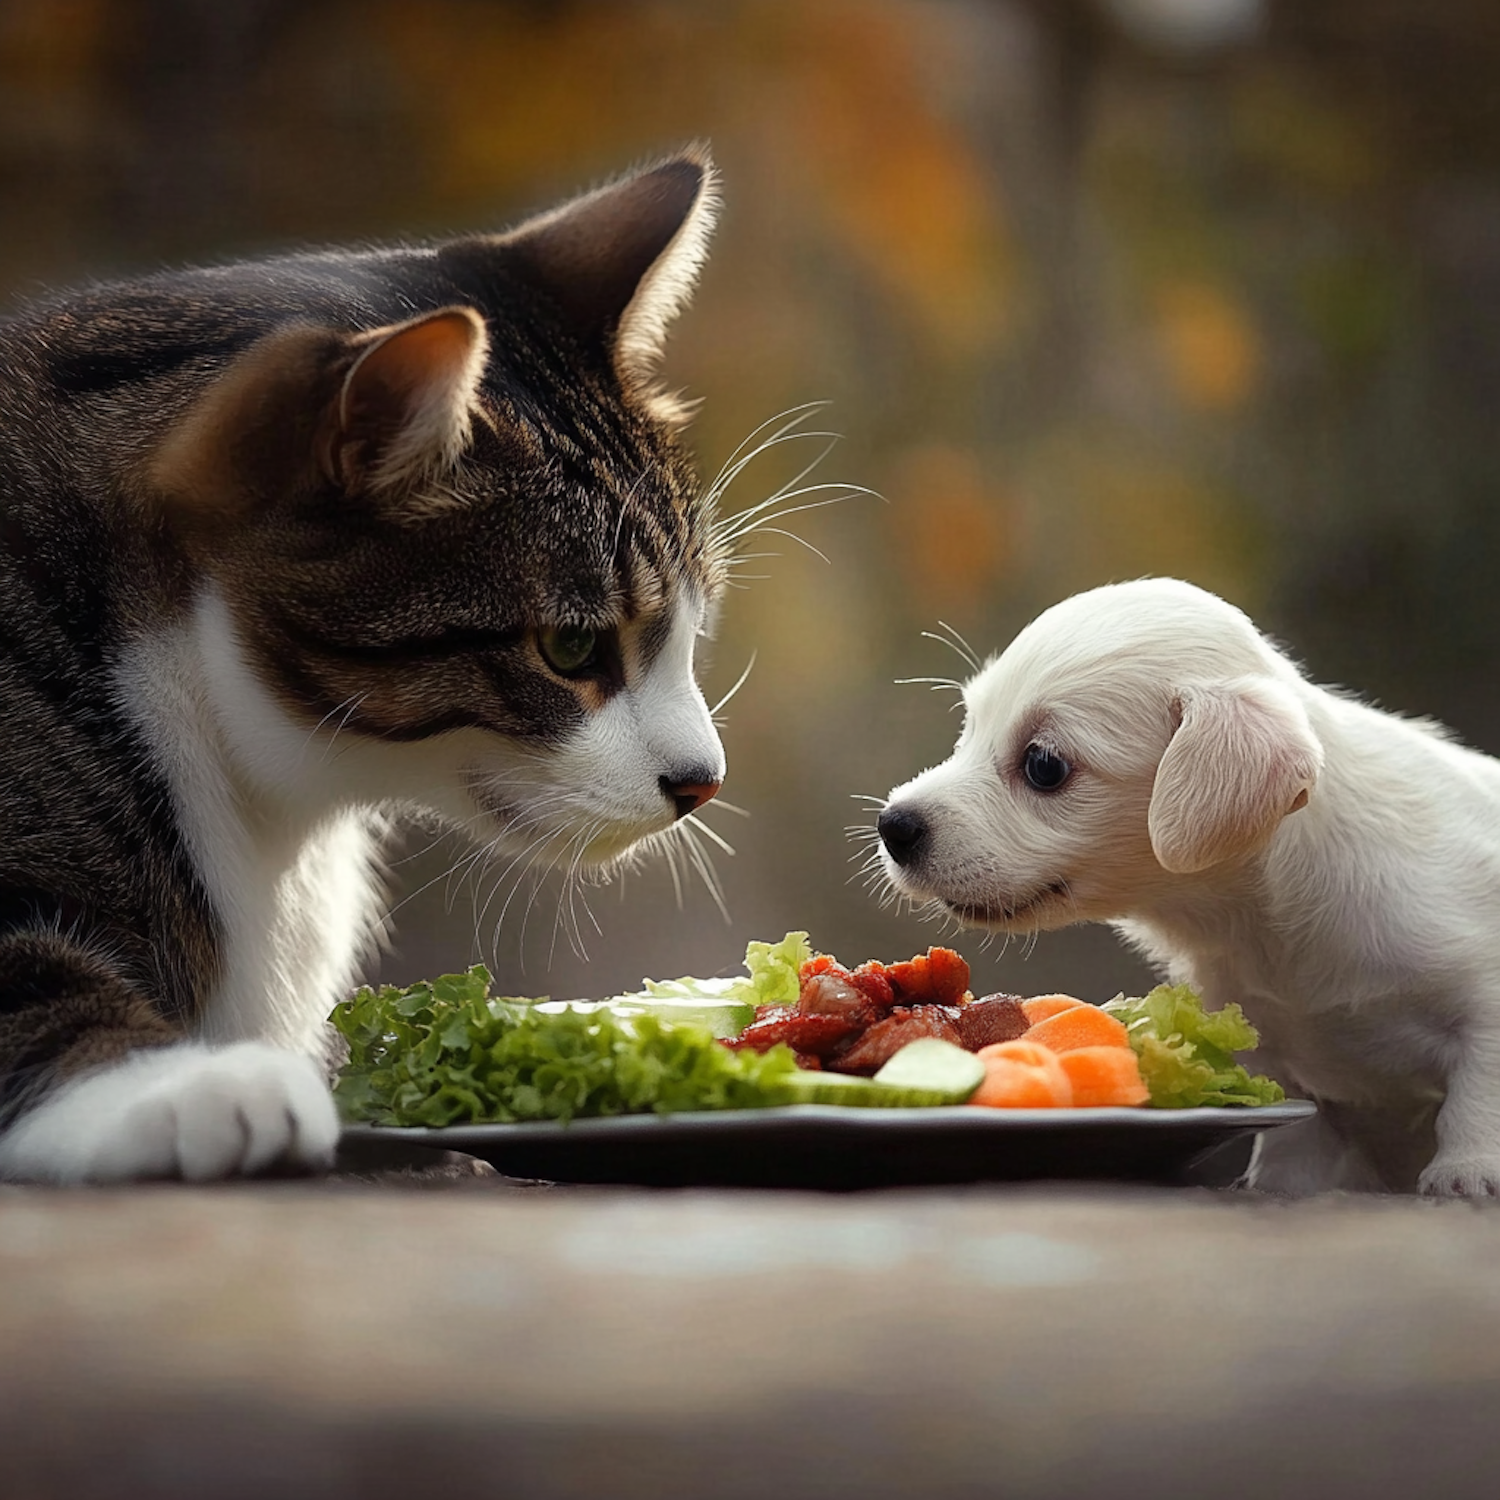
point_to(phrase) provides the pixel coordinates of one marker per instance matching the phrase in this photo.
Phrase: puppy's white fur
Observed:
(1333, 868)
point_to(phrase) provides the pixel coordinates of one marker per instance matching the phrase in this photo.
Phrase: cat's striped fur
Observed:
(287, 546)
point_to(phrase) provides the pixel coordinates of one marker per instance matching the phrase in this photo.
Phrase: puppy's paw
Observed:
(1461, 1177)
(191, 1112)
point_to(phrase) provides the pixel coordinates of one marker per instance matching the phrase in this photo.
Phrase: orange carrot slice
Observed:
(1079, 1026)
(1103, 1075)
(1040, 1007)
(1019, 1075)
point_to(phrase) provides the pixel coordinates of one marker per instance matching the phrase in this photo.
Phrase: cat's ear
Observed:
(405, 407)
(619, 263)
(304, 406)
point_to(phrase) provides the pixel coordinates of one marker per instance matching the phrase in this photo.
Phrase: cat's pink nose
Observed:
(689, 795)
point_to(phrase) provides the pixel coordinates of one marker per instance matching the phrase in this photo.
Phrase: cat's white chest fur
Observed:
(291, 873)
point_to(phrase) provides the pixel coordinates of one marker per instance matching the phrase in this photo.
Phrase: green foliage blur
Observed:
(1093, 288)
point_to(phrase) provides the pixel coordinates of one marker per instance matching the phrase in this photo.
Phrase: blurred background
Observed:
(1093, 288)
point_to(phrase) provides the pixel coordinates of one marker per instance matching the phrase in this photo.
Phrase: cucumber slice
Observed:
(934, 1066)
(923, 1073)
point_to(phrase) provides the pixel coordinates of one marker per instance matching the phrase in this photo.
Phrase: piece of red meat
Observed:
(948, 975)
(802, 1033)
(996, 1018)
(882, 1041)
(938, 977)
(833, 992)
(909, 981)
(871, 980)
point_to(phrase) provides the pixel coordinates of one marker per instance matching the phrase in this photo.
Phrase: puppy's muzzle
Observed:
(904, 833)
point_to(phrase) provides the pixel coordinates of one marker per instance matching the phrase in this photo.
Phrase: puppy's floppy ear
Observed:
(1243, 757)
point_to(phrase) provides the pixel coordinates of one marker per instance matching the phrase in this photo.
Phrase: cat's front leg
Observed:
(187, 1111)
(95, 1087)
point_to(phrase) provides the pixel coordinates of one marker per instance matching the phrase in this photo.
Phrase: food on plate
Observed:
(448, 1052)
(926, 1072)
(797, 1027)
(1022, 1075)
(1186, 1053)
(1079, 1026)
(1041, 1007)
(1104, 1075)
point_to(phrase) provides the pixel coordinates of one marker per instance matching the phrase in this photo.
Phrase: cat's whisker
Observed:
(739, 682)
(792, 536)
(717, 839)
(738, 519)
(718, 804)
(346, 708)
(445, 874)
(669, 851)
(566, 919)
(538, 875)
(754, 517)
(759, 520)
(790, 417)
(744, 454)
(523, 863)
(699, 859)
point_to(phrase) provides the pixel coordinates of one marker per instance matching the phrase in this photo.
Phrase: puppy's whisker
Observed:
(956, 643)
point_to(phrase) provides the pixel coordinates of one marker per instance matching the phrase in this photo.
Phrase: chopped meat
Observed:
(882, 1041)
(996, 1018)
(938, 976)
(948, 974)
(871, 980)
(833, 993)
(775, 1012)
(802, 1033)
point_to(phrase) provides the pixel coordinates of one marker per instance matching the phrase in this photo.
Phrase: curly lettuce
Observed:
(770, 978)
(1186, 1053)
(446, 1052)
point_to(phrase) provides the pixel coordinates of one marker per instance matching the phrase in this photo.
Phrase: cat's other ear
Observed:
(405, 407)
(304, 406)
(620, 263)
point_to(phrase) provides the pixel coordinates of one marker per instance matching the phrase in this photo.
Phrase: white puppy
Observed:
(1134, 757)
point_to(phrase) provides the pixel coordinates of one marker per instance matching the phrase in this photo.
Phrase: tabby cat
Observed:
(287, 547)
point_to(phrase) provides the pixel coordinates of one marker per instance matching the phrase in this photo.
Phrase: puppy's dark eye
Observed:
(568, 649)
(1045, 769)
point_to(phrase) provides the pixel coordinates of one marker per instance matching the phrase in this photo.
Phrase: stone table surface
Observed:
(461, 1334)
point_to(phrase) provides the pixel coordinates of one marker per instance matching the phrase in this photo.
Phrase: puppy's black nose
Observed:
(903, 832)
(690, 791)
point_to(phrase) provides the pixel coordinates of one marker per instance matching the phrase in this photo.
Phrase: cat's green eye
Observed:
(568, 649)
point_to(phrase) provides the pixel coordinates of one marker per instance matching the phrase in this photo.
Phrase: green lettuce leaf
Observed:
(773, 969)
(770, 978)
(447, 1052)
(1186, 1053)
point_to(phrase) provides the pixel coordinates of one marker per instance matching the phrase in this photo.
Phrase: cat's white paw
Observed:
(192, 1112)
(1461, 1177)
